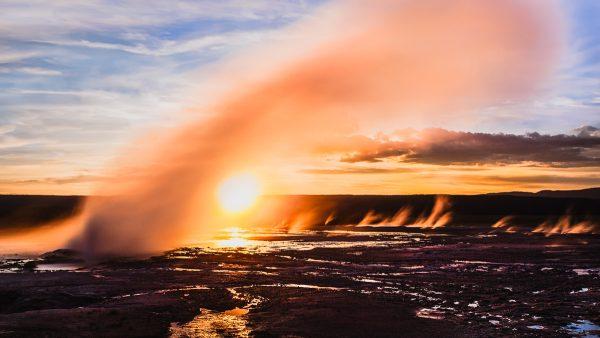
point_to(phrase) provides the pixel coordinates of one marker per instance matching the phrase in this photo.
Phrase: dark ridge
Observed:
(467, 210)
(24, 211)
(529, 209)
(583, 193)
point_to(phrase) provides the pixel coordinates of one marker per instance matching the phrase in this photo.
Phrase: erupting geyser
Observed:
(357, 63)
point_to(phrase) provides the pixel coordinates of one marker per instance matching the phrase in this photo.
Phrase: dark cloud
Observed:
(591, 180)
(444, 147)
(56, 180)
(338, 171)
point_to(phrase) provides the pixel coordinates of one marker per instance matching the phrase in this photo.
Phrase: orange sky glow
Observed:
(405, 63)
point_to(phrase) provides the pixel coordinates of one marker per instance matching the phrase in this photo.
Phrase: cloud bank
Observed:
(444, 147)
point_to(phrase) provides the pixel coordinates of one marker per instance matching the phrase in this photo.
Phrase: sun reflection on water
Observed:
(235, 238)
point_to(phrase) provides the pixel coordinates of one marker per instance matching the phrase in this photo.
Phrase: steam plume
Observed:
(503, 222)
(440, 216)
(356, 63)
(372, 219)
(565, 225)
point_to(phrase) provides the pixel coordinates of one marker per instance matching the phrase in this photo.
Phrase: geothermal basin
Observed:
(344, 282)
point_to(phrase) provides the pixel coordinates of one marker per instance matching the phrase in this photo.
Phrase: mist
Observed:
(352, 65)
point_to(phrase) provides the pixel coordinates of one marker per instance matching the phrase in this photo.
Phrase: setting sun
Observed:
(238, 193)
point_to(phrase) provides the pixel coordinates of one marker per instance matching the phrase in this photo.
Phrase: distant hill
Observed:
(22, 212)
(583, 193)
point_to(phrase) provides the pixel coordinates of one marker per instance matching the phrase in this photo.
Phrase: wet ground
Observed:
(330, 283)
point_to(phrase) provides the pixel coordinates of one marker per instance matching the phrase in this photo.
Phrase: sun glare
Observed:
(235, 239)
(238, 193)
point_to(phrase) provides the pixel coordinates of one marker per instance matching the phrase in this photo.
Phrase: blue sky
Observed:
(570, 98)
(77, 80)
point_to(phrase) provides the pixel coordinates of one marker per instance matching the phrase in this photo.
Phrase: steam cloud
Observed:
(359, 63)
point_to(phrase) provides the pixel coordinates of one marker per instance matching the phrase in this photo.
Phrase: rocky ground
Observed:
(315, 284)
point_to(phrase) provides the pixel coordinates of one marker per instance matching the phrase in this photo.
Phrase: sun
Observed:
(238, 193)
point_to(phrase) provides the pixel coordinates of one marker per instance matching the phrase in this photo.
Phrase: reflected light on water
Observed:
(231, 323)
(235, 239)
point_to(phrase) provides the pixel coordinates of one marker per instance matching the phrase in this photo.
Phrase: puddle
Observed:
(236, 312)
(307, 286)
(586, 272)
(252, 301)
(366, 280)
(163, 291)
(187, 269)
(582, 290)
(536, 327)
(492, 263)
(583, 327)
(230, 323)
(313, 240)
(244, 272)
(11, 270)
(45, 267)
(430, 313)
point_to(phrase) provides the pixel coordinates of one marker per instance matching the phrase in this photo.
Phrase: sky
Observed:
(79, 82)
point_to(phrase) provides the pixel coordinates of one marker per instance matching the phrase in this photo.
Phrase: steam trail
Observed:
(565, 225)
(358, 63)
(439, 217)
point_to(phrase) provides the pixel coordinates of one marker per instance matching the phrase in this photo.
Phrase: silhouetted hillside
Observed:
(583, 193)
(467, 210)
(19, 211)
(527, 209)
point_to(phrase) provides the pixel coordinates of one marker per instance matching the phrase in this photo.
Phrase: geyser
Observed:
(355, 63)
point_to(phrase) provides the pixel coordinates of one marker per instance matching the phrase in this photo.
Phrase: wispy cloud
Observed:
(170, 47)
(56, 180)
(49, 18)
(358, 170)
(8, 55)
(31, 71)
(9, 141)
